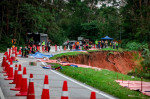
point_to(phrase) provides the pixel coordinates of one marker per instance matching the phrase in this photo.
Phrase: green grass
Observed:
(68, 54)
(107, 49)
(103, 80)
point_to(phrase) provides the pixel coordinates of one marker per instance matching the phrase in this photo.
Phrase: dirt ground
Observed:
(114, 61)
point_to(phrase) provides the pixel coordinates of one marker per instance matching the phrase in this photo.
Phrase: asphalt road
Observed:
(76, 89)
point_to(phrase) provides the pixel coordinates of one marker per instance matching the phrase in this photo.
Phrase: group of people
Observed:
(104, 44)
(45, 45)
(74, 45)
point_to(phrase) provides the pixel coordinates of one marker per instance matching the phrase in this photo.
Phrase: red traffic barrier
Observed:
(19, 78)
(65, 91)
(15, 75)
(31, 93)
(93, 95)
(45, 92)
(24, 88)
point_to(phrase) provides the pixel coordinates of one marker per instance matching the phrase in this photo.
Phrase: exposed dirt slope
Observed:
(114, 61)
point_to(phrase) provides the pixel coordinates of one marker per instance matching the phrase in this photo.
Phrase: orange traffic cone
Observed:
(15, 51)
(55, 47)
(10, 53)
(20, 51)
(64, 48)
(94, 46)
(7, 67)
(13, 54)
(23, 90)
(65, 91)
(45, 92)
(93, 95)
(31, 94)
(7, 56)
(10, 72)
(15, 75)
(4, 59)
(19, 78)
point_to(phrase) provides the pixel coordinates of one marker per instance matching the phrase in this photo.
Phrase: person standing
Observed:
(116, 45)
(106, 44)
(102, 44)
(31, 42)
(96, 43)
(48, 45)
(43, 46)
(99, 44)
(77, 45)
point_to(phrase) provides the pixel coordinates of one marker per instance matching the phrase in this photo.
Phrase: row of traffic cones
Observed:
(21, 81)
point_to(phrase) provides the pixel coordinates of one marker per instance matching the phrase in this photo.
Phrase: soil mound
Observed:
(114, 61)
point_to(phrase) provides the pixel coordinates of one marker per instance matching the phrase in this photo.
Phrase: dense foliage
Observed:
(126, 20)
(62, 20)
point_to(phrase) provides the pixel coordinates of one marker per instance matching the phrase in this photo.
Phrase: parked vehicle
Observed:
(72, 42)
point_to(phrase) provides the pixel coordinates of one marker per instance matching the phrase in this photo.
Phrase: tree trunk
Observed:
(149, 42)
(2, 24)
(15, 34)
(7, 22)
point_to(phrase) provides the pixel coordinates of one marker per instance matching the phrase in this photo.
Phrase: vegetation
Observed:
(136, 46)
(143, 65)
(127, 20)
(107, 49)
(103, 80)
(67, 54)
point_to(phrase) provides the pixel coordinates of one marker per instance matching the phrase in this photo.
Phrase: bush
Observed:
(145, 70)
(136, 46)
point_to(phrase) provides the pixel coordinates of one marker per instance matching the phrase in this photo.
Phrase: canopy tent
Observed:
(107, 38)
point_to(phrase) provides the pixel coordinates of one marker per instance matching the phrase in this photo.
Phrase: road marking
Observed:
(98, 92)
(83, 85)
(1, 94)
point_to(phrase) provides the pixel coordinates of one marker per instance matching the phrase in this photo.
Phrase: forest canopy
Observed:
(63, 20)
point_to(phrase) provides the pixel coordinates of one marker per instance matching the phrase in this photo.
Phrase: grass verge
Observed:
(68, 54)
(103, 80)
(107, 49)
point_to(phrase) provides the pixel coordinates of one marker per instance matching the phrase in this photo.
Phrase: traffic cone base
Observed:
(5, 74)
(21, 94)
(3, 71)
(12, 83)
(45, 94)
(9, 78)
(15, 89)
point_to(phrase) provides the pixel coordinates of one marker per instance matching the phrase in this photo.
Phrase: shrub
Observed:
(136, 46)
